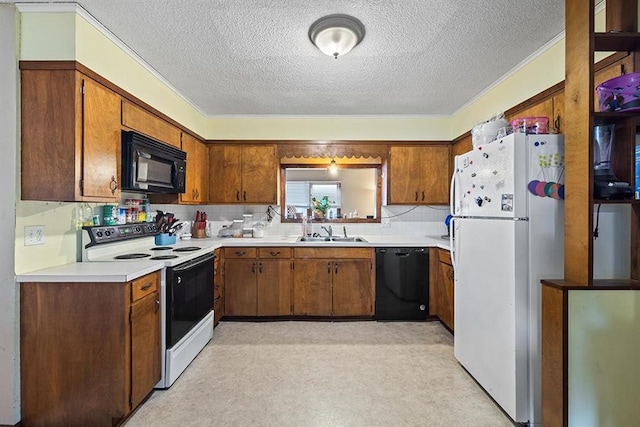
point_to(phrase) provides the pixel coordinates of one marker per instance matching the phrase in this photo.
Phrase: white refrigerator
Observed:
(507, 235)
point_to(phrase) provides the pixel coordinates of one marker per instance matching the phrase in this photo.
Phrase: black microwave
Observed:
(149, 166)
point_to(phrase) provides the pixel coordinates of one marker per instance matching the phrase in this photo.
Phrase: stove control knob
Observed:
(137, 229)
(99, 234)
(107, 233)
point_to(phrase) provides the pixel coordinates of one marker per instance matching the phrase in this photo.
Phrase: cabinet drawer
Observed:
(274, 252)
(445, 256)
(240, 252)
(144, 285)
(343, 253)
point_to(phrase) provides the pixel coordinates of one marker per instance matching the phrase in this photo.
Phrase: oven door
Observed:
(189, 296)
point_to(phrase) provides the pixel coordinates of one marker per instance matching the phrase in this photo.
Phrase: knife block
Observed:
(199, 230)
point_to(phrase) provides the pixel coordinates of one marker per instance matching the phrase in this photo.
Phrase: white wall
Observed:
(9, 345)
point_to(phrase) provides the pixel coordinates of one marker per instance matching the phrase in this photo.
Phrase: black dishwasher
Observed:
(402, 284)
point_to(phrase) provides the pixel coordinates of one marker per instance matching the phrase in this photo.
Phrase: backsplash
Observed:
(403, 220)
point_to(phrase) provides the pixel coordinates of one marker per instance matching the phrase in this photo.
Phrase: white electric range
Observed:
(186, 292)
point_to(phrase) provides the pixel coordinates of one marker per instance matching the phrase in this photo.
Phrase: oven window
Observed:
(153, 171)
(189, 296)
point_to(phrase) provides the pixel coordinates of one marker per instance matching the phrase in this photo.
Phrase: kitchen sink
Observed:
(348, 239)
(314, 239)
(334, 239)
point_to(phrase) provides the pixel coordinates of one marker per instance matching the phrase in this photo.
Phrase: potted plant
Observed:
(320, 206)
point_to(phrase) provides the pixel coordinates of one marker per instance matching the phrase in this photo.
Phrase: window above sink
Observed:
(353, 194)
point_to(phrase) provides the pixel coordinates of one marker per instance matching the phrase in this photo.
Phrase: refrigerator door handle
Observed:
(452, 187)
(452, 243)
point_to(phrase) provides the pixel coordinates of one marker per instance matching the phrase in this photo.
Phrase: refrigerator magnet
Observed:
(507, 203)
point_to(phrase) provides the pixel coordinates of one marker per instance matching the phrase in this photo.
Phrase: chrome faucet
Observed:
(328, 230)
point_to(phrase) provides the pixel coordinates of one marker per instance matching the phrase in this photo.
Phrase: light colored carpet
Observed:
(324, 374)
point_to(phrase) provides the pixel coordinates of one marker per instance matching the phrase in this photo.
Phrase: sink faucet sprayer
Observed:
(328, 230)
(344, 230)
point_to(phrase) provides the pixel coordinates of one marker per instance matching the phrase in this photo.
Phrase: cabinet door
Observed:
(202, 172)
(225, 173)
(445, 294)
(352, 288)
(435, 176)
(274, 287)
(145, 347)
(312, 287)
(404, 175)
(259, 174)
(144, 122)
(218, 287)
(101, 141)
(240, 287)
(190, 185)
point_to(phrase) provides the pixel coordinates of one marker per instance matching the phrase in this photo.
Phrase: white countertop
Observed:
(124, 271)
(371, 241)
(91, 272)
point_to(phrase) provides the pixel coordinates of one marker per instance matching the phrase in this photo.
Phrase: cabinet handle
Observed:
(147, 286)
(238, 195)
(336, 268)
(274, 253)
(240, 253)
(416, 196)
(113, 185)
(244, 196)
(556, 123)
(157, 306)
(260, 268)
(253, 267)
(423, 196)
(329, 267)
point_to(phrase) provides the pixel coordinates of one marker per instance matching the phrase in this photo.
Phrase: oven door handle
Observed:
(193, 263)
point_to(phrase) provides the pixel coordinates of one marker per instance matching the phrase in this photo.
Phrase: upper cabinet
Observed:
(70, 137)
(242, 173)
(135, 118)
(197, 177)
(419, 175)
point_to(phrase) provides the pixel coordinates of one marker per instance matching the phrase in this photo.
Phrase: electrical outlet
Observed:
(34, 235)
(386, 222)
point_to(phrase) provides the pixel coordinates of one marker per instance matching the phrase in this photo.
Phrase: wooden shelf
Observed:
(616, 202)
(598, 284)
(608, 42)
(605, 118)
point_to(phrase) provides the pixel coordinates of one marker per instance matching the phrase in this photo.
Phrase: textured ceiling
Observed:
(254, 57)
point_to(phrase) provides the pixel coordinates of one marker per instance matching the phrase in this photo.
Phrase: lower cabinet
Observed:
(284, 281)
(257, 281)
(441, 286)
(90, 352)
(333, 282)
(218, 287)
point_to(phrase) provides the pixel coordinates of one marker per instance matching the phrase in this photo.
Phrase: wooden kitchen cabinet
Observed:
(218, 287)
(258, 281)
(197, 175)
(70, 149)
(441, 286)
(419, 175)
(140, 120)
(445, 291)
(71, 374)
(243, 174)
(333, 282)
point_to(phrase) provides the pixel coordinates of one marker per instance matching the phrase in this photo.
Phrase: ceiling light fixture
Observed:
(333, 167)
(336, 35)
